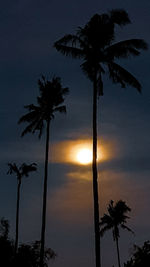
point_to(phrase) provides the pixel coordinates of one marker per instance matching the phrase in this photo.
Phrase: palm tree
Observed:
(21, 171)
(94, 43)
(116, 217)
(49, 102)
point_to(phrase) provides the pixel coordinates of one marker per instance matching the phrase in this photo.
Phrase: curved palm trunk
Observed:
(118, 254)
(17, 215)
(95, 183)
(44, 198)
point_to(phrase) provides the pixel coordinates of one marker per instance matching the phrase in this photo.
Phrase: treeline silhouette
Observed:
(27, 255)
(95, 45)
(140, 257)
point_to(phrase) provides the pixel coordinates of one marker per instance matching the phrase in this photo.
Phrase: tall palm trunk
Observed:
(118, 254)
(17, 214)
(95, 183)
(44, 198)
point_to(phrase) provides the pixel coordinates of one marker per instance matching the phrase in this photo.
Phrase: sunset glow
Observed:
(80, 152)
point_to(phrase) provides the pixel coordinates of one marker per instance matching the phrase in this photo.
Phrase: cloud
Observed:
(72, 203)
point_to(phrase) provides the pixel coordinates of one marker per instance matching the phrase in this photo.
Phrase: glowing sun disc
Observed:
(84, 156)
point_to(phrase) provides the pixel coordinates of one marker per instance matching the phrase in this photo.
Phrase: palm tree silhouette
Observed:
(49, 102)
(94, 43)
(116, 217)
(21, 171)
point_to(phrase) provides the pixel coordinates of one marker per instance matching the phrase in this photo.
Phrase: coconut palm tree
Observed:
(49, 102)
(21, 171)
(115, 218)
(95, 44)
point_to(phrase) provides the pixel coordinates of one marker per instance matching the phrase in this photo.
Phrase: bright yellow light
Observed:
(84, 156)
(79, 152)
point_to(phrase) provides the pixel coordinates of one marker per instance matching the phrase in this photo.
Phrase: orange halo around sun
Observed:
(78, 152)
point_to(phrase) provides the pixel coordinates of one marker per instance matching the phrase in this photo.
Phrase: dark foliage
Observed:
(6, 245)
(140, 257)
(28, 255)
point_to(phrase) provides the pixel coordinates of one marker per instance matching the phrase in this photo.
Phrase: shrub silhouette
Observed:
(140, 257)
(28, 255)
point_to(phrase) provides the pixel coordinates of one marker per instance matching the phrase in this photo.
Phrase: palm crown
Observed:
(94, 43)
(51, 97)
(116, 217)
(21, 171)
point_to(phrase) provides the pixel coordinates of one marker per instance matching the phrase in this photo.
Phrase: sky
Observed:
(28, 30)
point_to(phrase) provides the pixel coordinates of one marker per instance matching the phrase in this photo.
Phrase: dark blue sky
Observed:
(28, 30)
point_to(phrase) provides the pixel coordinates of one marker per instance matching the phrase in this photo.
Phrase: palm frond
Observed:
(106, 219)
(13, 169)
(70, 51)
(121, 205)
(119, 16)
(125, 48)
(127, 228)
(27, 168)
(88, 70)
(31, 107)
(39, 126)
(72, 40)
(68, 38)
(65, 91)
(61, 109)
(22, 170)
(119, 75)
(29, 117)
(36, 125)
(105, 229)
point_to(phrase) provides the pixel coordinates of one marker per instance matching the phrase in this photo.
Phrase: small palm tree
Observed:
(94, 43)
(21, 171)
(115, 218)
(49, 102)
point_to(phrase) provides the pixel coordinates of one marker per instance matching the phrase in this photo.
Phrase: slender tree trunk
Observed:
(17, 215)
(118, 254)
(95, 182)
(44, 198)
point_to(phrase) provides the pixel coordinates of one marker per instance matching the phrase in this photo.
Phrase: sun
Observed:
(84, 156)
